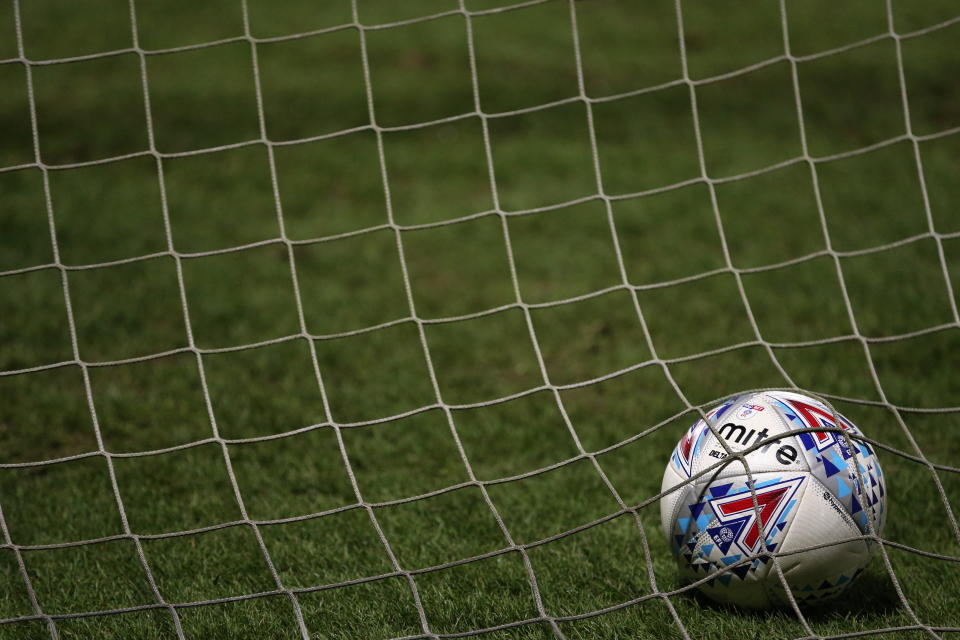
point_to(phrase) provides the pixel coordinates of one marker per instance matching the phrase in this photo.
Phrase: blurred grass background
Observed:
(334, 207)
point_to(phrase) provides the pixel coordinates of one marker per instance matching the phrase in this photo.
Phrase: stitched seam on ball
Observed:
(844, 516)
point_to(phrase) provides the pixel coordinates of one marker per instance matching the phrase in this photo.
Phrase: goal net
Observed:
(381, 320)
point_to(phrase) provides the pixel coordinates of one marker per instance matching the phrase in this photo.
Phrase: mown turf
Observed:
(541, 159)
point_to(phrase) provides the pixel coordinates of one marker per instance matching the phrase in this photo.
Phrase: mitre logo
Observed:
(738, 515)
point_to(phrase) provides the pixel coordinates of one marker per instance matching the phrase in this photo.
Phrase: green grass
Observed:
(399, 443)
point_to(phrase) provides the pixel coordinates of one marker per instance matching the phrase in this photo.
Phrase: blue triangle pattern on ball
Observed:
(703, 521)
(720, 490)
(767, 483)
(729, 560)
(741, 571)
(724, 535)
(855, 505)
(843, 489)
(837, 460)
(830, 468)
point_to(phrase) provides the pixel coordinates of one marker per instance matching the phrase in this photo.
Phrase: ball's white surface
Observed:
(808, 493)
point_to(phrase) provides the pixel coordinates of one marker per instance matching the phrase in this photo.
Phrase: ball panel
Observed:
(820, 574)
(830, 457)
(672, 501)
(720, 525)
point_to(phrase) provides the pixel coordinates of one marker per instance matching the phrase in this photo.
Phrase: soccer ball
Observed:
(811, 488)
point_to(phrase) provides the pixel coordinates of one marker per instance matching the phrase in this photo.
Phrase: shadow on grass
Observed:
(875, 596)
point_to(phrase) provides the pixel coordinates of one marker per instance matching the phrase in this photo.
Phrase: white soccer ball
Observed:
(809, 491)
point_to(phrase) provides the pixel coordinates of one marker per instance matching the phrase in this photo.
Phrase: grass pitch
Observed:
(332, 195)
